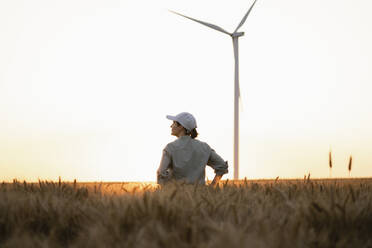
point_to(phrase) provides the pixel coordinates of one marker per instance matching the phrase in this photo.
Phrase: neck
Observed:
(181, 135)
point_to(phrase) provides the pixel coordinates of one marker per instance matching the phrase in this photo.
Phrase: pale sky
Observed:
(85, 86)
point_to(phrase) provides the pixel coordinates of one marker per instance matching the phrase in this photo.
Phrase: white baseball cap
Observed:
(187, 120)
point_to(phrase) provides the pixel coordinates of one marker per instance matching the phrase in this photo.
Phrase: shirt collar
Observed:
(184, 137)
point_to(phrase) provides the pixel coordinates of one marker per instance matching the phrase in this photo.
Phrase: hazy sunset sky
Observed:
(85, 86)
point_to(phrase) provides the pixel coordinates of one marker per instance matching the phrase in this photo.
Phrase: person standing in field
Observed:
(185, 158)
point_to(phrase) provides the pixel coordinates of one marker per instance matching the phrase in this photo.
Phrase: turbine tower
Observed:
(235, 36)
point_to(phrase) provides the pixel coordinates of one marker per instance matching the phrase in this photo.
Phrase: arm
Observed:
(163, 172)
(219, 165)
(216, 179)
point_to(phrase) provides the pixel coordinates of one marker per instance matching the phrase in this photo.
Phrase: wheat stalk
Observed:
(330, 163)
(350, 164)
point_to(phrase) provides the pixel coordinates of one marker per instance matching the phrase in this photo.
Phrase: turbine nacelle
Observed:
(237, 34)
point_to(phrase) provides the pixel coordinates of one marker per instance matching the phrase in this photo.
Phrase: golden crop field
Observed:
(260, 213)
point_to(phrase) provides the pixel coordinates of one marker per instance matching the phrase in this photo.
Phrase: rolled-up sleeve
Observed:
(217, 163)
(164, 170)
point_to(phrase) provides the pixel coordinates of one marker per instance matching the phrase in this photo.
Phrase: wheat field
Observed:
(261, 213)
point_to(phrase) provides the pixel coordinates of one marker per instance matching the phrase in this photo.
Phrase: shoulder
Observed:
(178, 143)
(202, 144)
(171, 146)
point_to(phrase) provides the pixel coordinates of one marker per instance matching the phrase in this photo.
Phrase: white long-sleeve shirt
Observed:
(186, 159)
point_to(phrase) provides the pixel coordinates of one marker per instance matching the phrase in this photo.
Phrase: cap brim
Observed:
(171, 117)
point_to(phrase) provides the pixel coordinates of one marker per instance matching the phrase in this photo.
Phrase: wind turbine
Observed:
(235, 36)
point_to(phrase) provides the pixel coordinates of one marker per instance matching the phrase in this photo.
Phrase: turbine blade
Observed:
(245, 17)
(203, 23)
